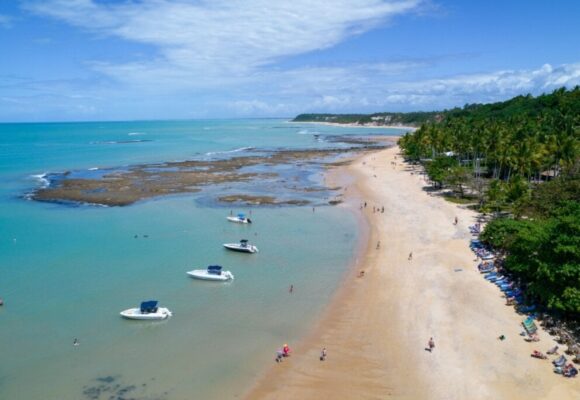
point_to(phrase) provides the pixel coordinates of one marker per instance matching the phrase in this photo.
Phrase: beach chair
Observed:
(513, 293)
(560, 361)
(530, 326)
(526, 309)
(570, 371)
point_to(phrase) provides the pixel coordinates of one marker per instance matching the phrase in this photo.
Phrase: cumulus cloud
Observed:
(490, 86)
(364, 89)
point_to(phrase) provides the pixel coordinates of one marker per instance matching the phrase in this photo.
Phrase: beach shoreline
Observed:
(351, 125)
(377, 326)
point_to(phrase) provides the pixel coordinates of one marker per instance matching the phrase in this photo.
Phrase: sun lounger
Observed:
(526, 309)
(570, 371)
(530, 326)
(560, 362)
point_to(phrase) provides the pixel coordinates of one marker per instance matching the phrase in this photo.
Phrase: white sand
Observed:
(377, 329)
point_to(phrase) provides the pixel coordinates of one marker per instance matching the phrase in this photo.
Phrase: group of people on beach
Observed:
(376, 209)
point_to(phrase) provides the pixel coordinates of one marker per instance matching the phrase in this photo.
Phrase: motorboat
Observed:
(240, 219)
(147, 311)
(212, 273)
(243, 247)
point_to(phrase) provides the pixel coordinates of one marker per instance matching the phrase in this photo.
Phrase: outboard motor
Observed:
(249, 221)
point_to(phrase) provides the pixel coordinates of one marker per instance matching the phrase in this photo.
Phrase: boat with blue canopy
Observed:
(240, 219)
(212, 273)
(243, 247)
(148, 310)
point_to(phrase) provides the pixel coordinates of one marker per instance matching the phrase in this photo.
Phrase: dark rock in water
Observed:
(106, 379)
(126, 185)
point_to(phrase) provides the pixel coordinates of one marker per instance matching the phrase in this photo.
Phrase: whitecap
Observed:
(42, 179)
(136, 133)
(212, 153)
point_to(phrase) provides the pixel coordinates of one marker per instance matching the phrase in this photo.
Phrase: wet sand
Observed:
(377, 328)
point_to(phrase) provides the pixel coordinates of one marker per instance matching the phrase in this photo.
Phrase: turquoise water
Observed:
(66, 272)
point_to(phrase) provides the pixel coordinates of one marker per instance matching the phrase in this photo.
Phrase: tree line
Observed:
(520, 157)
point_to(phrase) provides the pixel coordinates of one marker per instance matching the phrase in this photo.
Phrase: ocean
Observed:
(66, 270)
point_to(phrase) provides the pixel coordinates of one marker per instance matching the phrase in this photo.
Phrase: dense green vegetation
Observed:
(410, 118)
(544, 253)
(520, 156)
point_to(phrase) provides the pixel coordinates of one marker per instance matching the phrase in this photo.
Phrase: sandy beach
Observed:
(377, 328)
(408, 127)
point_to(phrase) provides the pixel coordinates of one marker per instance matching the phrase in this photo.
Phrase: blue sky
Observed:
(162, 59)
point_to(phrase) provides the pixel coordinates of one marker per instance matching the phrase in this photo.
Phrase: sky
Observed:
(75, 60)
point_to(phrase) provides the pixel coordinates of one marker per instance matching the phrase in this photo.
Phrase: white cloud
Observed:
(214, 57)
(494, 85)
(214, 39)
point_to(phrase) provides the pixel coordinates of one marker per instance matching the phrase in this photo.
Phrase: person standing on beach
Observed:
(291, 289)
(323, 354)
(410, 256)
(431, 345)
(455, 221)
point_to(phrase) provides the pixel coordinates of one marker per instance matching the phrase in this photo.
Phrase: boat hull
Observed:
(135, 313)
(238, 220)
(203, 275)
(241, 249)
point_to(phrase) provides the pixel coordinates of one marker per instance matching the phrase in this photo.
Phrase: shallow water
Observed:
(66, 272)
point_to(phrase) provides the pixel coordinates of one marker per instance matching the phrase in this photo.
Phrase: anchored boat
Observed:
(212, 273)
(147, 311)
(243, 247)
(240, 219)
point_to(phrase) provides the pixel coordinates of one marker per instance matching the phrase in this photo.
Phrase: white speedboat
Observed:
(240, 219)
(212, 273)
(243, 247)
(147, 311)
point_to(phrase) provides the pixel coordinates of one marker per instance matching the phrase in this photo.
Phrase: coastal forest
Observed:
(376, 119)
(519, 161)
